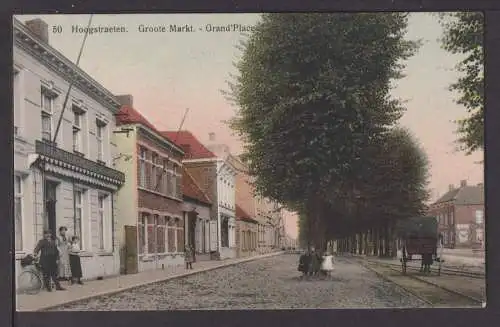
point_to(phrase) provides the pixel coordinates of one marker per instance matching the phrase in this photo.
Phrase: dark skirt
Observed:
(75, 265)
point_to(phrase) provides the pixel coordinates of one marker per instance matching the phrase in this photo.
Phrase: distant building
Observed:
(70, 182)
(216, 177)
(150, 204)
(246, 233)
(197, 210)
(461, 216)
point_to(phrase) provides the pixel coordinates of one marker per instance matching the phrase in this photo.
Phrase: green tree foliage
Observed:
(463, 34)
(396, 185)
(314, 108)
(312, 90)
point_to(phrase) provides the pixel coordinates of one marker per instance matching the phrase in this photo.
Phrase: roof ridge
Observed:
(197, 185)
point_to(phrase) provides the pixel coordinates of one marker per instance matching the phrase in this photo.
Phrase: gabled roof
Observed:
(129, 115)
(192, 190)
(242, 215)
(192, 147)
(465, 195)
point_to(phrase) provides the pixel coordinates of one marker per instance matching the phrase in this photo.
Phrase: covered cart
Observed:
(419, 237)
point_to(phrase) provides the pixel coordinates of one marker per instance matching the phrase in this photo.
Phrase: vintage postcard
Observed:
(248, 161)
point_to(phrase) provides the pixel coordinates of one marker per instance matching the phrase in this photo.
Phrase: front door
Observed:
(50, 221)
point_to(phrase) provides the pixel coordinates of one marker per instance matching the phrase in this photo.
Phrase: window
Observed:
(479, 235)
(77, 130)
(141, 235)
(18, 98)
(18, 212)
(100, 132)
(174, 181)
(479, 217)
(171, 235)
(178, 182)
(180, 235)
(102, 220)
(47, 104)
(164, 177)
(151, 234)
(170, 178)
(161, 229)
(77, 229)
(142, 167)
(156, 172)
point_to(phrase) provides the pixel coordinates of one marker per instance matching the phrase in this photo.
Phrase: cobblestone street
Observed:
(270, 283)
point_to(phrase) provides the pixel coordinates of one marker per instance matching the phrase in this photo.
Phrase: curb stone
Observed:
(159, 280)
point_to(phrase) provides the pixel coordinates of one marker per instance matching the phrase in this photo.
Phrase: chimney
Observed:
(211, 136)
(451, 187)
(463, 183)
(126, 100)
(39, 28)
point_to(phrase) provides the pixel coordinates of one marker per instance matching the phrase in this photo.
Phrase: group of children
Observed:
(59, 259)
(312, 263)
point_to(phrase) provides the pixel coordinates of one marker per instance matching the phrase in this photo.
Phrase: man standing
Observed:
(49, 257)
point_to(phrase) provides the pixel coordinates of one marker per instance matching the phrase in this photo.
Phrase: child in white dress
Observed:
(327, 264)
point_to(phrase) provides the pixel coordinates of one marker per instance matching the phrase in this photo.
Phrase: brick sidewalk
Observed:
(45, 300)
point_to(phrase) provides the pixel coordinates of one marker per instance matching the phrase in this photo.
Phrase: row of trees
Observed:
(320, 127)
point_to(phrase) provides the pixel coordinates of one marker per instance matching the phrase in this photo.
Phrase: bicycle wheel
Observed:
(29, 283)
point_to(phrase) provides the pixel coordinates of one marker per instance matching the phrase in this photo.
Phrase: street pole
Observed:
(72, 81)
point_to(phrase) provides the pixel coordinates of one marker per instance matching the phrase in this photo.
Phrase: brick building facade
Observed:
(150, 203)
(216, 177)
(460, 213)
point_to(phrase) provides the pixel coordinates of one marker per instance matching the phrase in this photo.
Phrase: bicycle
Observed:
(30, 280)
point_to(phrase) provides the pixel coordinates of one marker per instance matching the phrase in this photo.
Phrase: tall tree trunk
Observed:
(375, 241)
(361, 244)
(388, 240)
(366, 250)
(381, 247)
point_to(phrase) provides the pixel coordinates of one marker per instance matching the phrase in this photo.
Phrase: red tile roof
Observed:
(193, 148)
(129, 115)
(242, 215)
(191, 189)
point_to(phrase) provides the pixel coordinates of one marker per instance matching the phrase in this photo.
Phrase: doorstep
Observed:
(108, 286)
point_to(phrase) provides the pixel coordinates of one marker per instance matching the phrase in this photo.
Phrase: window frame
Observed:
(100, 135)
(161, 227)
(80, 207)
(78, 128)
(179, 229)
(151, 222)
(18, 94)
(102, 204)
(142, 161)
(19, 195)
(481, 221)
(156, 168)
(171, 227)
(47, 113)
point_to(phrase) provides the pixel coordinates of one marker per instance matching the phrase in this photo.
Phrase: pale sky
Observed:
(169, 72)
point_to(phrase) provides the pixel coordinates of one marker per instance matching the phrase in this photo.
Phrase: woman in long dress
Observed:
(327, 265)
(63, 245)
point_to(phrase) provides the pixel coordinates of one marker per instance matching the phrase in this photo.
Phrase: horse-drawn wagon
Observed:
(419, 240)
